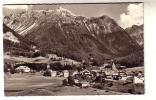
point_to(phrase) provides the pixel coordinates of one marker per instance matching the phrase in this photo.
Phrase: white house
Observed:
(53, 73)
(65, 73)
(137, 80)
(25, 69)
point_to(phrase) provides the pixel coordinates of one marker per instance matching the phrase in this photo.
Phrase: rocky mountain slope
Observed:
(66, 34)
(137, 33)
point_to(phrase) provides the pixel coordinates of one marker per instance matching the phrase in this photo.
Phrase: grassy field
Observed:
(38, 85)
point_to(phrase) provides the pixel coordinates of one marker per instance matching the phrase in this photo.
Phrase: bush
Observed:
(71, 80)
(64, 82)
(47, 73)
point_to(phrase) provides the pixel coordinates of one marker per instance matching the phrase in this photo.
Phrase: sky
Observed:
(125, 14)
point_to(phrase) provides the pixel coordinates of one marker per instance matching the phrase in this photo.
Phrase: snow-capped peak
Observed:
(64, 11)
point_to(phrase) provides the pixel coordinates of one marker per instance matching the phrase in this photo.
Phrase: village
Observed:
(111, 76)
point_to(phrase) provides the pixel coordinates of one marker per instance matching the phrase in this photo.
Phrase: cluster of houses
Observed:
(86, 77)
(108, 71)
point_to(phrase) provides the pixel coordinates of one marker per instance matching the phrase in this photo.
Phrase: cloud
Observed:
(134, 16)
(25, 7)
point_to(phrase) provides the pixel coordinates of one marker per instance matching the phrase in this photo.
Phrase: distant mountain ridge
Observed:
(137, 33)
(62, 32)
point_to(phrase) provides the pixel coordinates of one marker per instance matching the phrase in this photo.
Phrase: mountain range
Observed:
(63, 33)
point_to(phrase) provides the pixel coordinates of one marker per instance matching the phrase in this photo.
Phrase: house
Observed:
(53, 73)
(122, 67)
(122, 74)
(85, 84)
(48, 66)
(116, 76)
(65, 73)
(108, 68)
(24, 69)
(60, 74)
(137, 80)
(95, 73)
(105, 64)
(86, 72)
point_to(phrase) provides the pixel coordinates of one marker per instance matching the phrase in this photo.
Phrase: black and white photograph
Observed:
(73, 49)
